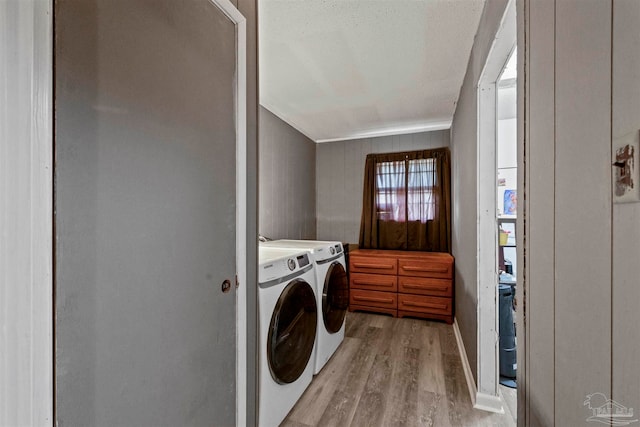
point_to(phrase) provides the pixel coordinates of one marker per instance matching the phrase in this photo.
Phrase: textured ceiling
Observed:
(344, 69)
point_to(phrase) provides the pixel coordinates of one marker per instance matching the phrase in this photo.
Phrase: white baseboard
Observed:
(482, 401)
(471, 383)
(489, 403)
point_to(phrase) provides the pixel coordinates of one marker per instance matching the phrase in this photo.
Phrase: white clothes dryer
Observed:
(288, 321)
(332, 293)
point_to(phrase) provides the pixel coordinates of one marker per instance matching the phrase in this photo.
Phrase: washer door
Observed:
(335, 297)
(292, 332)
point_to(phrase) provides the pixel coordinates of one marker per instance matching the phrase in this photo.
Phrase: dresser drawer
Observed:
(374, 282)
(424, 304)
(361, 297)
(437, 269)
(375, 265)
(425, 286)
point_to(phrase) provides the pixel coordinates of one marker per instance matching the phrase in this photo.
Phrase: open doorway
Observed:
(496, 257)
(506, 216)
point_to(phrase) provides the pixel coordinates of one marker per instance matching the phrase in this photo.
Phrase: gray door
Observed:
(144, 213)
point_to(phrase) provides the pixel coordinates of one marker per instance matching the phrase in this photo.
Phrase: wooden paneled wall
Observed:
(625, 346)
(540, 304)
(582, 92)
(582, 205)
(340, 177)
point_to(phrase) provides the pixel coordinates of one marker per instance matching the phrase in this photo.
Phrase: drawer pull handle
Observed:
(426, 305)
(426, 269)
(373, 299)
(375, 266)
(379, 284)
(443, 288)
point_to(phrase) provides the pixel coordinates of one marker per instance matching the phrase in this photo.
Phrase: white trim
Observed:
(468, 375)
(489, 403)
(241, 227)
(487, 247)
(275, 111)
(400, 130)
(482, 401)
(373, 133)
(241, 205)
(26, 213)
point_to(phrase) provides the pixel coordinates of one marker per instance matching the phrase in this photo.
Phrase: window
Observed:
(404, 190)
(406, 203)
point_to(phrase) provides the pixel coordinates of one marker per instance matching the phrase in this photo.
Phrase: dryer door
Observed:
(292, 332)
(335, 297)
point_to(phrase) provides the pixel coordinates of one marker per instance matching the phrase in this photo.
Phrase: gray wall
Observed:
(464, 154)
(287, 180)
(340, 176)
(582, 251)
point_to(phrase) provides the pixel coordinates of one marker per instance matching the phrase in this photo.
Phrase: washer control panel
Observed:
(303, 260)
(279, 263)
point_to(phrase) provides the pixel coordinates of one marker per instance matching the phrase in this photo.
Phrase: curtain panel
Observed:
(407, 201)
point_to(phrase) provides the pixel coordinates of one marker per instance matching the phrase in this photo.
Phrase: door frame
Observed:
(27, 371)
(26, 212)
(488, 368)
(241, 205)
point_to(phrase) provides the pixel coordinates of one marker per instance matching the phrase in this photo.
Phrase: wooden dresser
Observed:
(402, 283)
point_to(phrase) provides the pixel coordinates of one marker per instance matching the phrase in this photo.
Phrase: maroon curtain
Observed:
(407, 201)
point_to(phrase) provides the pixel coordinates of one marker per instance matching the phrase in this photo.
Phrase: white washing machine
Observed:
(332, 292)
(288, 319)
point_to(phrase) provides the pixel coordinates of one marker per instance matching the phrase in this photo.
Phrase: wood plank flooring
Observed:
(392, 372)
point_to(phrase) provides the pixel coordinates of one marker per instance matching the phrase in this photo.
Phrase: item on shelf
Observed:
(507, 336)
(508, 267)
(510, 202)
(504, 236)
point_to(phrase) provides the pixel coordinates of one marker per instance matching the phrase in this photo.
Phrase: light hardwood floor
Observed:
(392, 372)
